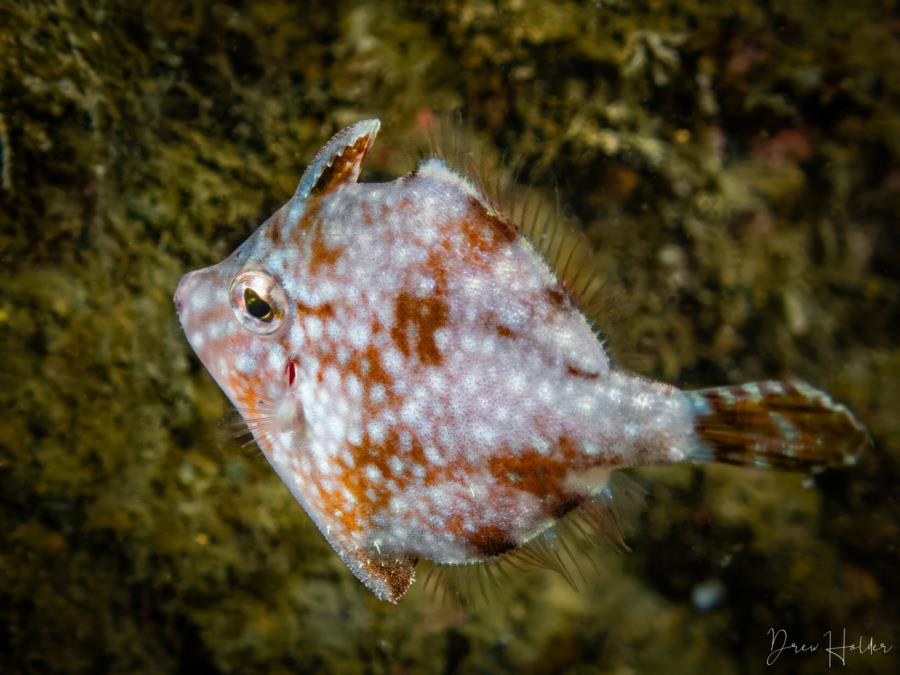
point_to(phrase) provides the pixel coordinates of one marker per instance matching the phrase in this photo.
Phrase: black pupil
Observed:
(256, 306)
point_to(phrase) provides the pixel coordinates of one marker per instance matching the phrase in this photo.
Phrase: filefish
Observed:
(429, 388)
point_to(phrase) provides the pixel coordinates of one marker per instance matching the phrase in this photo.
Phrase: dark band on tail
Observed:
(788, 425)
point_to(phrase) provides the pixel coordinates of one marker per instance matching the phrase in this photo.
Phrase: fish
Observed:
(428, 387)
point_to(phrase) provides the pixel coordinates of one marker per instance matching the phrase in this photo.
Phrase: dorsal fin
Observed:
(566, 249)
(340, 160)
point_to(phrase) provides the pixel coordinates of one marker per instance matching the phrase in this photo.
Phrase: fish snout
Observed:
(182, 293)
(197, 293)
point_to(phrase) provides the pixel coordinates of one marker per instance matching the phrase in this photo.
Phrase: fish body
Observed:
(426, 386)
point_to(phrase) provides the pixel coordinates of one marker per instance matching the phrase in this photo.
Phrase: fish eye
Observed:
(257, 307)
(258, 301)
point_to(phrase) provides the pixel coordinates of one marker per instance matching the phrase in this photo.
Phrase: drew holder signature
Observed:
(836, 649)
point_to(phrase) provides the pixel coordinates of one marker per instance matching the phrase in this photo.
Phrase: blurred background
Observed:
(734, 165)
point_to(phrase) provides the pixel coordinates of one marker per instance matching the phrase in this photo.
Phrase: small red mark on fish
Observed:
(291, 371)
(489, 540)
(578, 372)
(557, 297)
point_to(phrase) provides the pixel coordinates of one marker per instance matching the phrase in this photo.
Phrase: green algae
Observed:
(734, 164)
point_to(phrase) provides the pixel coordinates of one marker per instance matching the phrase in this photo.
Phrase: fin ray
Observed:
(564, 548)
(564, 247)
(340, 160)
(788, 425)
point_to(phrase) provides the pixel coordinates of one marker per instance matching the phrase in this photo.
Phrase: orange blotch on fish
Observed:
(417, 320)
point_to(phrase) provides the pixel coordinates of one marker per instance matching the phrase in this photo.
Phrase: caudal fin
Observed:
(789, 425)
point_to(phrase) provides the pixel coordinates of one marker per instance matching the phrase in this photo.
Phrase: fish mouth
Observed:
(198, 285)
(199, 301)
(179, 295)
(182, 292)
(205, 314)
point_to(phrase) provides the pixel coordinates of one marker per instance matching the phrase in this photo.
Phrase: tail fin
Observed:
(788, 425)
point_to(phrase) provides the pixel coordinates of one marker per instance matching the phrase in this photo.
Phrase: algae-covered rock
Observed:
(735, 166)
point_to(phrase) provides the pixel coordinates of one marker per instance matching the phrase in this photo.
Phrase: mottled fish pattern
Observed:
(426, 386)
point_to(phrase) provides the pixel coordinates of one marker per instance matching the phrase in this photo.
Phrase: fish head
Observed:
(237, 315)
(243, 319)
(233, 314)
